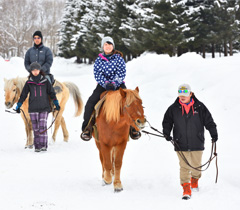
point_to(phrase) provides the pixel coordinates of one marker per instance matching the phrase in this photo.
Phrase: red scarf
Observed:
(187, 107)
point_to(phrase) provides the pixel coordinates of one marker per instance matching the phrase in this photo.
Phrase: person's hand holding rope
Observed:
(17, 109)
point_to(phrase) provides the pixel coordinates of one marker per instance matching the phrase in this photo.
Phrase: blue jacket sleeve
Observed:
(99, 73)
(27, 61)
(120, 73)
(49, 60)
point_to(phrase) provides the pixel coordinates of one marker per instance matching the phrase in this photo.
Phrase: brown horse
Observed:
(121, 109)
(13, 89)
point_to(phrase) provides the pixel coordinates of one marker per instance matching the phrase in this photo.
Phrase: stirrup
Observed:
(86, 135)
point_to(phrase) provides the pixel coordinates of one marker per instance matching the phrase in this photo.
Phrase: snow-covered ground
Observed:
(68, 175)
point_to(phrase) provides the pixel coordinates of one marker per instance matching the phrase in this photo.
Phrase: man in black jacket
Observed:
(188, 117)
(41, 54)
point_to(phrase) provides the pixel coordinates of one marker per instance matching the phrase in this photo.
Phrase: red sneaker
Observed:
(194, 184)
(186, 191)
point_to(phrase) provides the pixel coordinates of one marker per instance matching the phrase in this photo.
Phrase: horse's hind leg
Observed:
(64, 129)
(58, 119)
(119, 151)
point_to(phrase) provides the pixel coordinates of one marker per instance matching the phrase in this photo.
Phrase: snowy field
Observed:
(68, 175)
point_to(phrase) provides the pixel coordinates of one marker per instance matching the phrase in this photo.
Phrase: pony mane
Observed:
(113, 104)
(19, 82)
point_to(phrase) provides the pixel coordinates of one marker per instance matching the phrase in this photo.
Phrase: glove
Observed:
(214, 139)
(17, 109)
(168, 138)
(56, 104)
(110, 85)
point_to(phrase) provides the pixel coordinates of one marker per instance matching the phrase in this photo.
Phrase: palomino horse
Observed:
(13, 89)
(121, 109)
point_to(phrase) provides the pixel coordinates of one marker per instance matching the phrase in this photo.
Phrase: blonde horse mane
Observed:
(19, 82)
(113, 105)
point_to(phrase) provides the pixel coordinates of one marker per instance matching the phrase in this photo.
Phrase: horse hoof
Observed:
(28, 147)
(104, 183)
(117, 190)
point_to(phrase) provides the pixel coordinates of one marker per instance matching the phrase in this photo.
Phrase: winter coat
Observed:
(39, 92)
(188, 129)
(42, 55)
(112, 69)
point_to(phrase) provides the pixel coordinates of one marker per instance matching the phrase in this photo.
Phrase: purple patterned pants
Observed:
(39, 124)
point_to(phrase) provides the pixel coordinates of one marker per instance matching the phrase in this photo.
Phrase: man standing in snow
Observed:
(187, 116)
(41, 54)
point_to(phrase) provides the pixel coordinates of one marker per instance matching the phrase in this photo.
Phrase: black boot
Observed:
(86, 135)
(135, 135)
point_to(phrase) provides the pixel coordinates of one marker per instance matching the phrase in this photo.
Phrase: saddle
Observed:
(95, 114)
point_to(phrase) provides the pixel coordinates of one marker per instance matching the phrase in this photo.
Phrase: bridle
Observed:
(13, 101)
(125, 110)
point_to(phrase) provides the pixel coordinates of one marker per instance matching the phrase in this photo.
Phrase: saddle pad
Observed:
(98, 106)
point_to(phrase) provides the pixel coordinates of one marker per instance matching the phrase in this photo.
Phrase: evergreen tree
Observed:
(68, 29)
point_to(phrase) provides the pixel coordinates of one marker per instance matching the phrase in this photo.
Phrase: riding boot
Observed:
(135, 135)
(86, 135)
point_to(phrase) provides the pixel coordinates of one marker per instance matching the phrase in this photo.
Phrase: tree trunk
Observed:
(79, 60)
(179, 51)
(230, 48)
(213, 50)
(225, 48)
(203, 51)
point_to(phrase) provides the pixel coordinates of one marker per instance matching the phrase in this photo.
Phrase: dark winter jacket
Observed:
(39, 92)
(188, 129)
(42, 55)
(112, 69)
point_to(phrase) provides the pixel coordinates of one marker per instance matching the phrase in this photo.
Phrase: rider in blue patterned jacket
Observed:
(109, 72)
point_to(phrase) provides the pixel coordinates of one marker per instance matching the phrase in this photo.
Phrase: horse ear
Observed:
(137, 89)
(122, 92)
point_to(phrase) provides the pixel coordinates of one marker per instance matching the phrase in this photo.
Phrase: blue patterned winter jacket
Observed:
(112, 69)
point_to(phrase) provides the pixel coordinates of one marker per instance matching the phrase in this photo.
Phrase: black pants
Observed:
(92, 101)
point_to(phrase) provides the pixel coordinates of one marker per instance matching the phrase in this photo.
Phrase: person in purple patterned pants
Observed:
(40, 89)
(39, 124)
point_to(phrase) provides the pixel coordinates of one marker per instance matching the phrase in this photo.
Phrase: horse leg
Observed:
(113, 161)
(119, 151)
(100, 156)
(30, 136)
(64, 129)
(28, 129)
(57, 123)
(107, 164)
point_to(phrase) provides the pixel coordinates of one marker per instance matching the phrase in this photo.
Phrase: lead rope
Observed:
(176, 145)
(28, 122)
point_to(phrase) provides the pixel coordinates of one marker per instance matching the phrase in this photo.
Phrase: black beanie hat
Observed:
(35, 65)
(38, 33)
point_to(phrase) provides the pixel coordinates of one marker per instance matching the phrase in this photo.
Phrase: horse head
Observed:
(132, 106)
(12, 89)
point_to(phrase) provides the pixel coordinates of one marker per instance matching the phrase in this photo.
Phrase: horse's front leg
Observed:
(100, 155)
(119, 151)
(107, 163)
(29, 133)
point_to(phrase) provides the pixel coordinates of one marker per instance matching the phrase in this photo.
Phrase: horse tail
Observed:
(74, 91)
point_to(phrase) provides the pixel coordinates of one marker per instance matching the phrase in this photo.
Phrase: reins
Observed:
(28, 122)
(176, 145)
